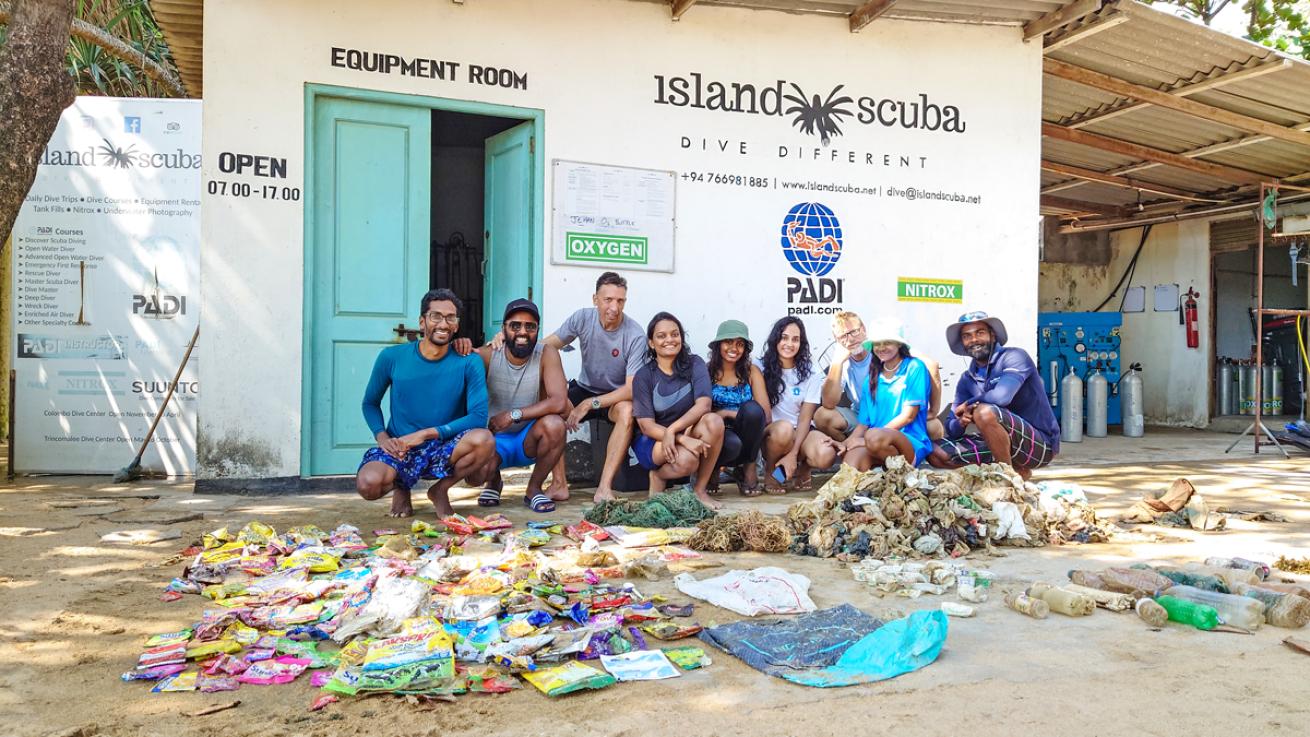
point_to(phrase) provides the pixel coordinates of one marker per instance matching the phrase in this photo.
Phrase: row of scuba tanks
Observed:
(1098, 402)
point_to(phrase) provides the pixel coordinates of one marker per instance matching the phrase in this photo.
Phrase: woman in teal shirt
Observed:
(893, 404)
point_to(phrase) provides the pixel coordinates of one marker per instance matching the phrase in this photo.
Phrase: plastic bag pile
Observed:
(416, 613)
(917, 513)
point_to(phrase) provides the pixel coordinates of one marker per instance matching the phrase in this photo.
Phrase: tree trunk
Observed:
(35, 87)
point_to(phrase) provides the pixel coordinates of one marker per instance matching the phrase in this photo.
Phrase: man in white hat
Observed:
(1002, 395)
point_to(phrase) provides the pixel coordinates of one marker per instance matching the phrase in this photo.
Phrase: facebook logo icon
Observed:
(131, 124)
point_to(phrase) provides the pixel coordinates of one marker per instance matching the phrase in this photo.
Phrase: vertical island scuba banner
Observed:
(104, 282)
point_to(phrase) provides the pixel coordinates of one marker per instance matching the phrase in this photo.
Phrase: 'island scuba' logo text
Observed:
(120, 157)
(816, 115)
(811, 239)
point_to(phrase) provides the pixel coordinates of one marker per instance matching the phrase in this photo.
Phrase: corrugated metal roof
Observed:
(1156, 50)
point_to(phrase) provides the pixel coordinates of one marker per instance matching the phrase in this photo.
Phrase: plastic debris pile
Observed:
(731, 533)
(468, 605)
(917, 513)
(912, 579)
(1070, 519)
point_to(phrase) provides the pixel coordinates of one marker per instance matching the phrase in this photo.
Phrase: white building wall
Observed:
(591, 66)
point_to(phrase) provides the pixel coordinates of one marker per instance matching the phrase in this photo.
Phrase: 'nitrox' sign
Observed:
(909, 289)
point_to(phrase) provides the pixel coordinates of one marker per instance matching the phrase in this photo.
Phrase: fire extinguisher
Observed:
(1189, 318)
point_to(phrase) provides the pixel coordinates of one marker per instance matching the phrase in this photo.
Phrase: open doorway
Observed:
(405, 193)
(458, 186)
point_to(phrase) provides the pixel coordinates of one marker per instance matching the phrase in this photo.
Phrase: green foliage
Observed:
(1279, 24)
(99, 72)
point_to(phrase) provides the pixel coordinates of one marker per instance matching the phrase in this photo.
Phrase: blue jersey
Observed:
(449, 394)
(909, 386)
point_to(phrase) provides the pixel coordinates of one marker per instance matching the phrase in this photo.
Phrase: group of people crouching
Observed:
(460, 414)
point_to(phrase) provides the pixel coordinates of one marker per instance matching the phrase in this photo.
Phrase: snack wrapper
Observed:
(567, 678)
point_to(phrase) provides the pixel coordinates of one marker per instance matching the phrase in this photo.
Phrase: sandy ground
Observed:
(74, 612)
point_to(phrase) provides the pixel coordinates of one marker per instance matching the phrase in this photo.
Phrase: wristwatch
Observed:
(595, 403)
(516, 414)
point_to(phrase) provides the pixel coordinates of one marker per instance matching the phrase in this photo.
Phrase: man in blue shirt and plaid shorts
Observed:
(1001, 394)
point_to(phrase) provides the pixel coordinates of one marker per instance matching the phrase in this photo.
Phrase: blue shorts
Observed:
(509, 446)
(644, 447)
(430, 460)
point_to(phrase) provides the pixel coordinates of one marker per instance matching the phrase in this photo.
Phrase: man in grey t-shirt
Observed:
(613, 347)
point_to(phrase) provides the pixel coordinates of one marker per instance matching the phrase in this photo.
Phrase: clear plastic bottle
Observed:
(1134, 581)
(1199, 616)
(1281, 609)
(1261, 570)
(1238, 611)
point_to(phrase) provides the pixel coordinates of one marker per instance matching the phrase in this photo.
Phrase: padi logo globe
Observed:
(811, 238)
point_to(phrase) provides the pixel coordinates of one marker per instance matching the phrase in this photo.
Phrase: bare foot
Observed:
(440, 500)
(803, 481)
(401, 505)
(708, 500)
(603, 495)
(558, 490)
(772, 486)
(1024, 473)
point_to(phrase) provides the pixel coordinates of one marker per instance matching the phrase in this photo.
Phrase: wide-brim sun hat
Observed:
(731, 330)
(953, 330)
(882, 331)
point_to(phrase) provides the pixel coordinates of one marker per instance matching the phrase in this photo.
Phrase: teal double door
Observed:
(368, 251)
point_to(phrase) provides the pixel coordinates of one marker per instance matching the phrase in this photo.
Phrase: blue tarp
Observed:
(841, 646)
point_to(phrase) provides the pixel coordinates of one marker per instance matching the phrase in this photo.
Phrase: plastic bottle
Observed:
(1024, 604)
(1135, 581)
(1229, 576)
(1063, 602)
(1261, 570)
(1195, 579)
(1238, 611)
(1199, 616)
(1151, 612)
(1281, 609)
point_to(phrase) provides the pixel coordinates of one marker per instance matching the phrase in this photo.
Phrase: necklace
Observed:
(891, 370)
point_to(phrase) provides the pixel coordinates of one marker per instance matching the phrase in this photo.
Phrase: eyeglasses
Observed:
(850, 334)
(437, 317)
(516, 326)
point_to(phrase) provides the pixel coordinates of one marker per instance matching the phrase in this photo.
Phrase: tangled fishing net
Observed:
(730, 533)
(670, 509)
(917, 513)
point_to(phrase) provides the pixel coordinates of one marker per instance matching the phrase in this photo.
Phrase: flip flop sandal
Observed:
(489, 498)
(539, 503)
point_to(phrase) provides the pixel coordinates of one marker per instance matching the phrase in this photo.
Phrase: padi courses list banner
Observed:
(105, 289)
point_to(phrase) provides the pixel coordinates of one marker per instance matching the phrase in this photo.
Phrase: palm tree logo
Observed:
(817, 115)
(117, 158)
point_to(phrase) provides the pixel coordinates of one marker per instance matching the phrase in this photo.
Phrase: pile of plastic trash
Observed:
(917, 513)
(467, 605)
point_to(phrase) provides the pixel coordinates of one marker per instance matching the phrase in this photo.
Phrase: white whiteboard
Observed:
(612, 217)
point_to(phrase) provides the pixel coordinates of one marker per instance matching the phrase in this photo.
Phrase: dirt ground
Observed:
(74, 613)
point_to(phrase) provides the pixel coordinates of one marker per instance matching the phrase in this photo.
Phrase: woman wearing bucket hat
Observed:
(893, 403)
(1002, 395)
(739, 397)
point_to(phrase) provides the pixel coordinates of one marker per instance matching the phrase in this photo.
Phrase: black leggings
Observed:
(742, 436)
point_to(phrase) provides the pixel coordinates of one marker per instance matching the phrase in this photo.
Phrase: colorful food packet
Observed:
(155, 673)
(184, 681)
(567, 678)
(278, 670)
(169, 638)
(688, 658)
(214, 647)
(209, 684)
(162, 655)
(670, 631)
(315, 560)
(394, 652)
(322, 700)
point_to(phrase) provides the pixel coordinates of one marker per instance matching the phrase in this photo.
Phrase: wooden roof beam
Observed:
(868, 13)
(1146, 153)
(1218, 80)
(1105, 82)
(1104, 21)
(1093, 208)
(1056, 18)
(678, 7)
(1092, 175)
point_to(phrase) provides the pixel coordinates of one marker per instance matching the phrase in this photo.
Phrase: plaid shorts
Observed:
(1028, 449)
(430, 460)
